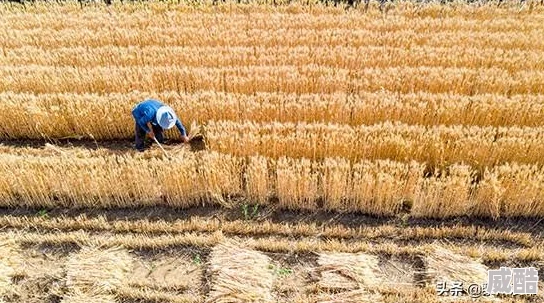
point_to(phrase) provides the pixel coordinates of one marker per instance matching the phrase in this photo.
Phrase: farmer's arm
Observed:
(182, 131)
(181, 128)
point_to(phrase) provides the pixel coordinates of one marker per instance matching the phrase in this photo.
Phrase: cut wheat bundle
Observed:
(445, 265)
(240, 275)
(345, 277)
(344, 271)
(97, 271)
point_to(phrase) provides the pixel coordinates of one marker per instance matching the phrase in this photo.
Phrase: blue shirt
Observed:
(146, 112)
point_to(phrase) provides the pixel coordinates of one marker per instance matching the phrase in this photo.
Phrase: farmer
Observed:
(152, 117)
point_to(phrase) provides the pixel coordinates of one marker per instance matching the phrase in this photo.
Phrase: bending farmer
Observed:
(152, 117)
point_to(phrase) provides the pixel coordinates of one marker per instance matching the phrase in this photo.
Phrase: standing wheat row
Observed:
(72, 179)
(309, 26)
(420, 19)
(345, 57)
(435, 145)
(61, 115)
(253, 79)
(169, 36)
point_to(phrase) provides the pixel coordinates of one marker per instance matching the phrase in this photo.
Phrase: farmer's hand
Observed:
(184, 139)
(151, 135)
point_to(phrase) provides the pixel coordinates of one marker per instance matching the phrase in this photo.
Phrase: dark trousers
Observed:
(140, 136)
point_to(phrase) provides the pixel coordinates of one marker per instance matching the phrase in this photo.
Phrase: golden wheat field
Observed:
(349, 154)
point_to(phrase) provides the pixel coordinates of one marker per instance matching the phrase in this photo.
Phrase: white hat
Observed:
(166, 117)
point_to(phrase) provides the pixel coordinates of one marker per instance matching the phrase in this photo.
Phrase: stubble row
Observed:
(268, 244)
(258, 227)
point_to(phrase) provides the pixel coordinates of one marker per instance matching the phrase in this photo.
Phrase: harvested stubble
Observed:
(352, 296)
(97, 271)
(445, 265)
(271, 244)
(136, 241)
(9, 262)
(176, 273)
(37, 116)
(79, 297)
(264, 228)
(240, 275)
(152, 295)
(40, 276)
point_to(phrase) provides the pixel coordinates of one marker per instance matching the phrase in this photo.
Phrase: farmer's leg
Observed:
(140, 137)
(158, 133)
